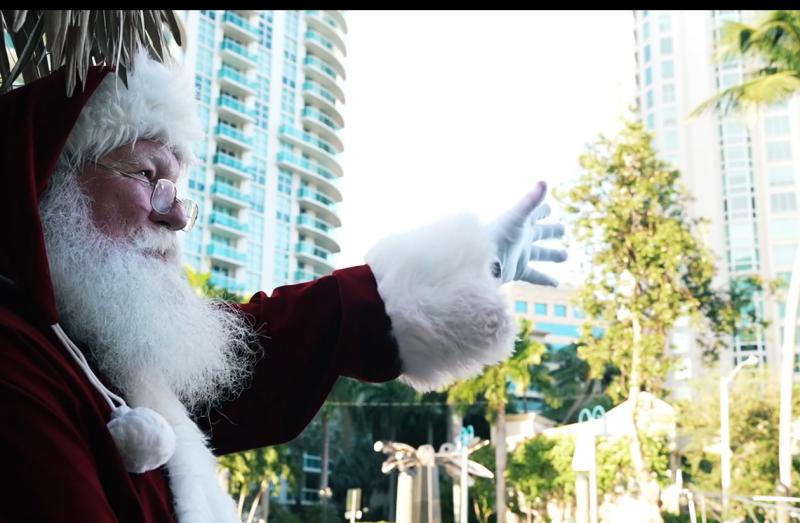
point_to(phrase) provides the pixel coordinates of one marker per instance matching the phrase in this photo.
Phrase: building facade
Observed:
(741, 169)
(556, 322)
(270, 90)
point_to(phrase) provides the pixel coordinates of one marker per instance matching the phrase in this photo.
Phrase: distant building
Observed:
(269, 86)
(744, 175)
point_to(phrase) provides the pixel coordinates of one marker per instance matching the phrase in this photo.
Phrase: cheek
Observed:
(117, 208)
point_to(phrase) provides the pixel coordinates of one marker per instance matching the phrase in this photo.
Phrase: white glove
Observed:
(514, 233)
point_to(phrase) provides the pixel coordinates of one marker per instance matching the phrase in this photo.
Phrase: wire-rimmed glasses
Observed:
(164, 195)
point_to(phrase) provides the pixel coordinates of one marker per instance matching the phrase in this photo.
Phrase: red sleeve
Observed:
(311, 334)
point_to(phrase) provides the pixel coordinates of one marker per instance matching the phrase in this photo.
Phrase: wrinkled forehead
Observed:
(145, 153)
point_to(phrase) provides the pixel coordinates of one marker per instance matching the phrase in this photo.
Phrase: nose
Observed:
(175, 219)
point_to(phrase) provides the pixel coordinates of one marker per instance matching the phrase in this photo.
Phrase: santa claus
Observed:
(118, 384)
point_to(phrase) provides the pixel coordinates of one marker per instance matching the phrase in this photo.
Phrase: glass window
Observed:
(666, 46)
(667, 69)
(670, 140)
(783, 255)
(647, 53)
(780, 175)
(651, 121)
(668, 93)
(648, 76)
(670, 115)
(664, 23)
(742, 259)
(540, 309)
(577, 313)
(521, 306)
(649, 97)
(783, 202)
(742, 233)
(784, 228)
(729, 79)
(733, 154)
(738, 203)
(560, 311)
(776, 125)
(779, 151)
(646, 30)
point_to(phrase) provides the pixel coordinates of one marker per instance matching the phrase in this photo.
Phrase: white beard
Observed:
(136, 314)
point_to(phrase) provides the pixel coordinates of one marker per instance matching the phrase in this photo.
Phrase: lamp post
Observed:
(725, 428)
(787, 375)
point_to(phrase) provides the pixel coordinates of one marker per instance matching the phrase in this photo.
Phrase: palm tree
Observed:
(772, 47)
(493, 386)
(44, 41)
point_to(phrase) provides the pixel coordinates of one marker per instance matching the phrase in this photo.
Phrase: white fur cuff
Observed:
(448, 314)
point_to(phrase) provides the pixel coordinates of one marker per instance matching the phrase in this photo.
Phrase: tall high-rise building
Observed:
(269, 87)
(741, 169)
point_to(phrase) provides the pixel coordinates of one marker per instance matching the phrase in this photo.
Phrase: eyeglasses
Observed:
(164, 195)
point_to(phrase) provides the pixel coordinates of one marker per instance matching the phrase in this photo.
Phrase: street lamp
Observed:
(787, 378)
(725, 428)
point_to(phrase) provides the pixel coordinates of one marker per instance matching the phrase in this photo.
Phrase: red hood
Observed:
(35, 121)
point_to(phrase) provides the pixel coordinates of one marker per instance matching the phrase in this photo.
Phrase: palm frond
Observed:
(48, 40)
(765, 89)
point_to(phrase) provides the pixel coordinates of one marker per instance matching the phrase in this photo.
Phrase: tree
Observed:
(492, 384)
(252, 473)
(563, 378)
(647, 269)
(754, 436)
(202, 283)
(772, 50)
(44, 41)
(541, 470)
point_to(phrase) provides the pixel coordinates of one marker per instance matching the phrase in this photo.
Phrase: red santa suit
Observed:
(424, 308)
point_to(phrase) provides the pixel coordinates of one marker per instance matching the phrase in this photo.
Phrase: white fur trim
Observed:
(157, 104)
(143, 437)
(448, 314)
(197, 494)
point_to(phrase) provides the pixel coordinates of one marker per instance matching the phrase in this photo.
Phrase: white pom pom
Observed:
(144, 438)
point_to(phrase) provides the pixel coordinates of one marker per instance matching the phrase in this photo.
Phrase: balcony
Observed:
(337, 15)
(236, 82)
(237, 54)
(320, 230)
(230, 194)
(239, 27)
(315, 114)
(327, 26)
(317, 147)
(324, 48)
(226, 253)
(315, 94)
(228, 223)
(322, 205)
(314, 254)
(226, 282)
(311, 172)
(230, 106)
(303, 276)
(233, 166)
(234, 136)
(322, 124)
(321, 65)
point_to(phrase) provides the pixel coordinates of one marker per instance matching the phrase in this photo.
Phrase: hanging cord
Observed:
(80, 359)
(145, 439)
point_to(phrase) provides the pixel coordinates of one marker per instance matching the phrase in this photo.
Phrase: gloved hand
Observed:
(514, 233)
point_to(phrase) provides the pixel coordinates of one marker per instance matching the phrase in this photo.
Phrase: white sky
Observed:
(450, 111)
